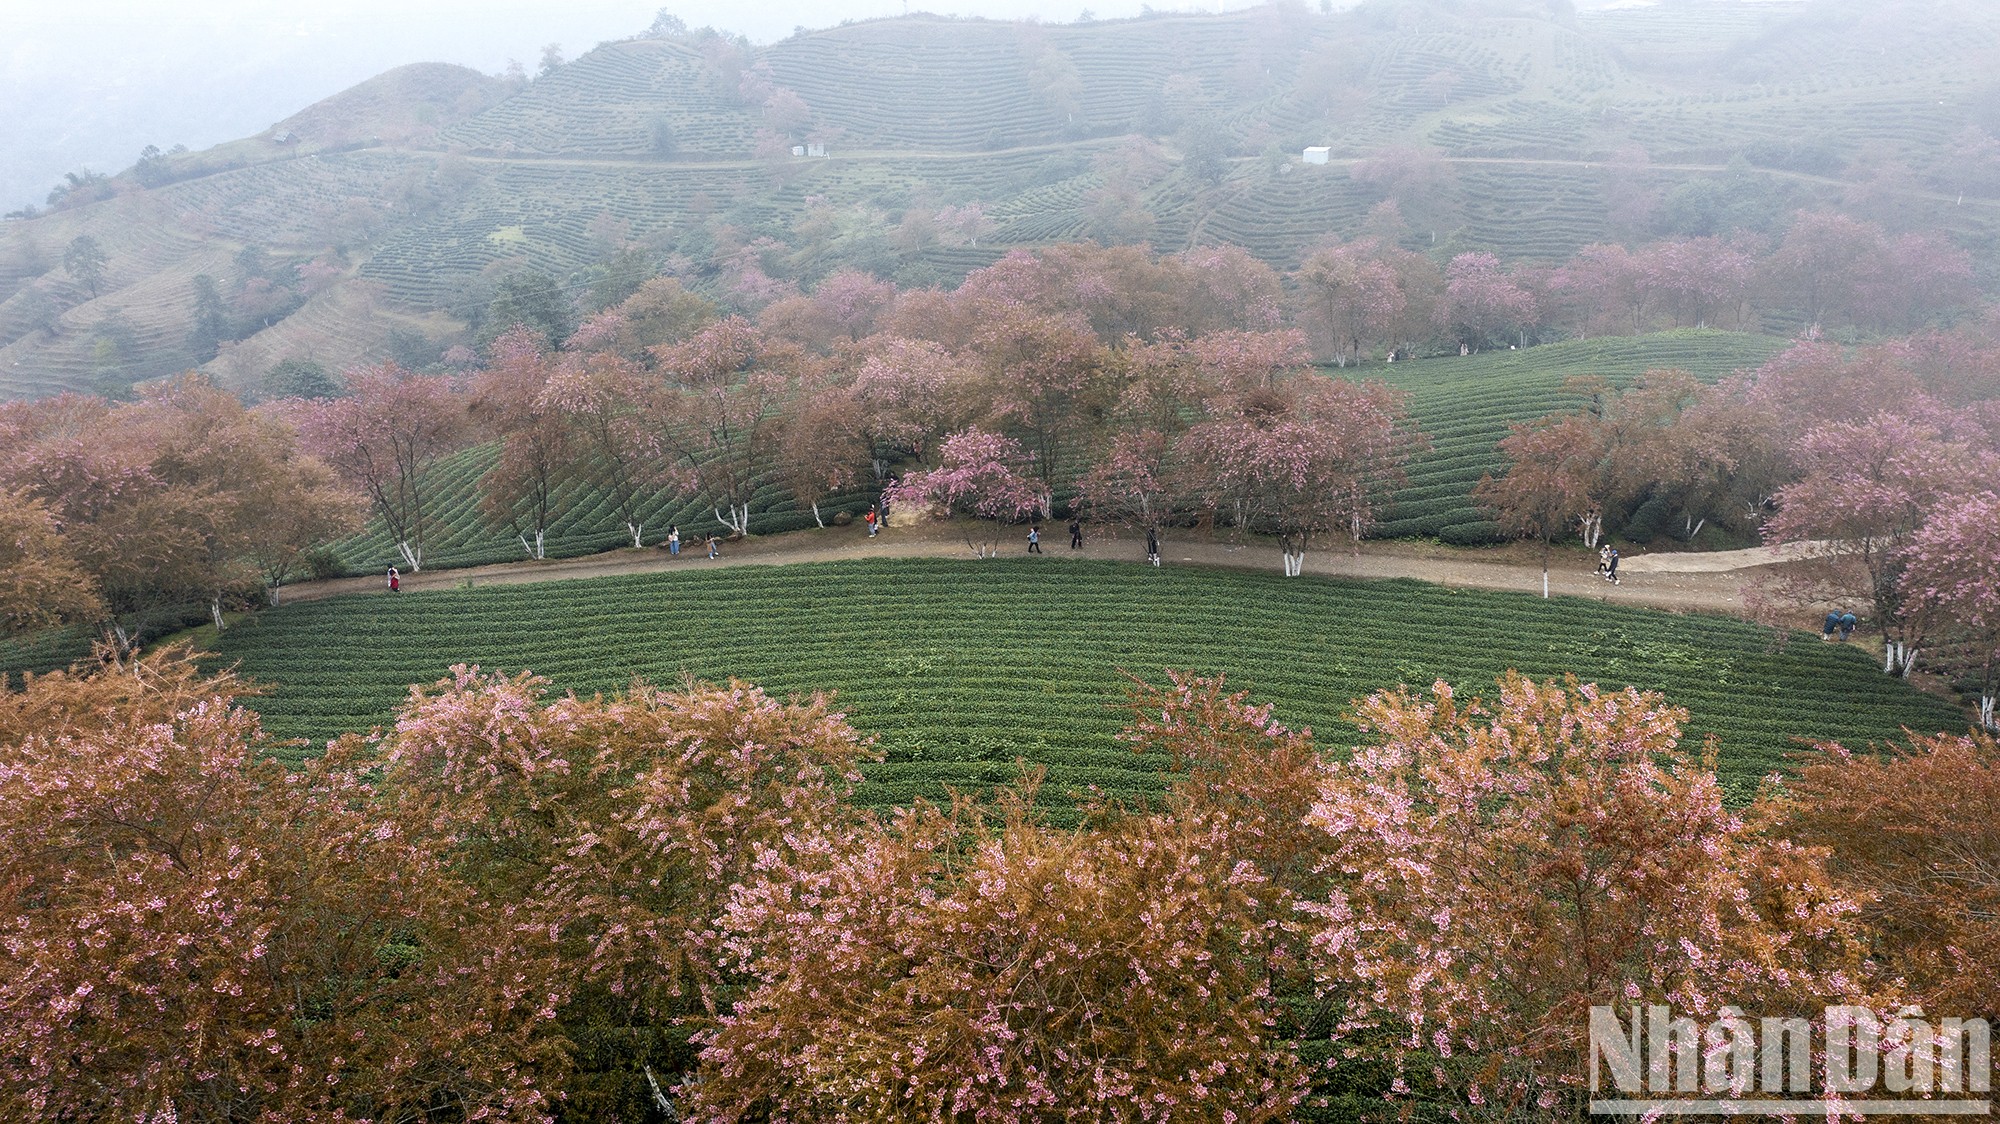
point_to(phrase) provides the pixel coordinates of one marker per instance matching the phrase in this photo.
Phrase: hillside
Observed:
(380, 220)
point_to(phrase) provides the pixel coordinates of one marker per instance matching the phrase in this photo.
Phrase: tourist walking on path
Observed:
(1034, 540)
(870, 520)
(713, 547)
(1152, 546)
(674, 540)
(1611, 567)
(882, 509)
(395, 580)
(1076, 534)
(1604, 559)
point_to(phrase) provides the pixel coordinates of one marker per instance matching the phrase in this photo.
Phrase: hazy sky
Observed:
(87, 83)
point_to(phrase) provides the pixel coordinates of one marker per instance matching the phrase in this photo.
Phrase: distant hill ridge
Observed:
(380, 220)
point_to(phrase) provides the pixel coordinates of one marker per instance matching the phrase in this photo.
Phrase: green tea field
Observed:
(960, 667)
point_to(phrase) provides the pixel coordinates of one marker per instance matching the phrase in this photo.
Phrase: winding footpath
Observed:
(1685, 582)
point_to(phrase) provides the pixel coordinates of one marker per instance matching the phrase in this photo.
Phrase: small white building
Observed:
(1318, 154)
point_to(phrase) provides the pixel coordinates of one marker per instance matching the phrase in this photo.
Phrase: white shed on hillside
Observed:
(1318, 155)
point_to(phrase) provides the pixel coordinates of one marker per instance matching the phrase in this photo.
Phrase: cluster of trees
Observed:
(1369, 297)
(1150, 390)
(517, 906)
(120, 513)
(257, 293)
(1827, 273)
(1877, 467)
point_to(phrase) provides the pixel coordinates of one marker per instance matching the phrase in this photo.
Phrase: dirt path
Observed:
(1683, 582)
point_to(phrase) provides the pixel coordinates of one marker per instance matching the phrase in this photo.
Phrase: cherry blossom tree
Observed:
(1227, 289)
(1819, 265)
(1865, 490)
(976, 964)
(1952, 570)
(1351, 296)
(943, 966)
(1552, 484)
(823, 450)
(1140, 482)
(383, 438)
(1482, 301)
(192, 933)
(1501, 867)
(913, 393)
(1304, 458)
(181, 497)
(1699, 279)
(981, 476)
(608, 405)
(607, 833)
(510, 401)
(1607, 288)
(719, 411)
(42, 584)
(1049, 384)
(1918, 278)
(662, 312)
(1910, 836)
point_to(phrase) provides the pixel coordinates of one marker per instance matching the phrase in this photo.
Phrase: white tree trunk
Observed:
(1898, 658)
(660, 1099)
(412, 555)
(1593, 528)
(636, 529)
(816, 518)
(215, 612)
(1295, 563)
(1986, 713)
(1545, 583)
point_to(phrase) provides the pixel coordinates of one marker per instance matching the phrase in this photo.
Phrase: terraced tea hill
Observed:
(963, 667)
(430, 182)
(1465, 404)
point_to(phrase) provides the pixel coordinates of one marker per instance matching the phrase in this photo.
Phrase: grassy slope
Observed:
(961, 667)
